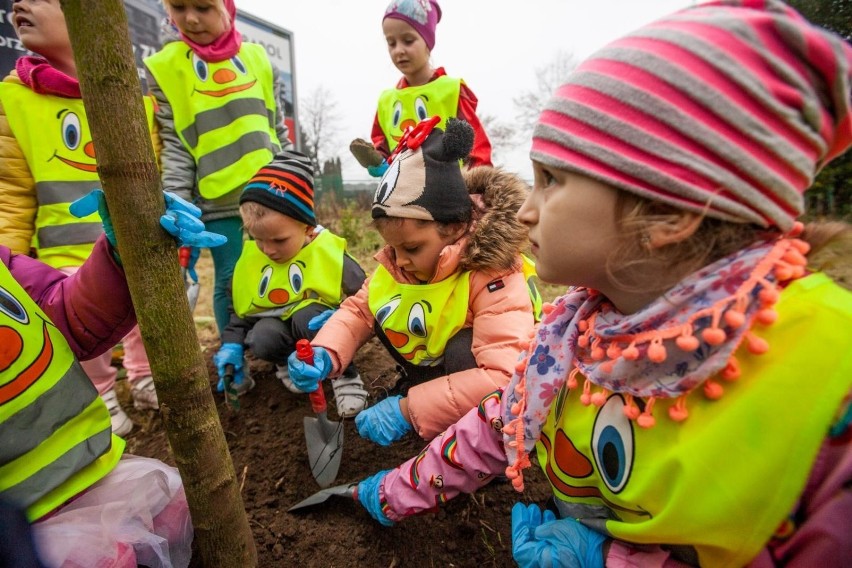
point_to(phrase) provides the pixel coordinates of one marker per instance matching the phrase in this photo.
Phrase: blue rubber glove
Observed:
(378, 171)
(544, 540)
(229, 353)
(383, 423)
(88, 204)
(307, 377)
(318, 321)
(368, 496)
(182, 220)
(194, 253)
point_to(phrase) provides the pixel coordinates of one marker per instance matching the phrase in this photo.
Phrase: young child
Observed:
(422, 92)
(89, 505)
(449, 300)
(48, 162)
(669, 172)
(290, 272)
(219, 121)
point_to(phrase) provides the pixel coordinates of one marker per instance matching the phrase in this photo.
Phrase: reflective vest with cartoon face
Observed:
(715, 488)
(263, 288)
(224, 112)
(400, 108)
(55, 434)
(53, 133)
(419, 319)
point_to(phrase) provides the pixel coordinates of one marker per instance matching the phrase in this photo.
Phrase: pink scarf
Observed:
(40, 76)
(225, 46)
(672, 347)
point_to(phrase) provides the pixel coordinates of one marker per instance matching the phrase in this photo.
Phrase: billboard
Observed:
(147, 18)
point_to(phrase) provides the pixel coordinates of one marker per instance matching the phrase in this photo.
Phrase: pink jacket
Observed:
(502, 319)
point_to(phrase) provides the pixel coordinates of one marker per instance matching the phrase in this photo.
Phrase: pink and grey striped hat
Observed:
(729, 108)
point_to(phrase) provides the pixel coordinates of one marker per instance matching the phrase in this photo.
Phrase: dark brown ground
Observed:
(267, 447)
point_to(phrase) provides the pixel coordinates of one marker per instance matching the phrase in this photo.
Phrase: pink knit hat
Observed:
(729, 108)
(422, 15)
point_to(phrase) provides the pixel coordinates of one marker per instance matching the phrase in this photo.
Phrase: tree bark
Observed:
(131, 181)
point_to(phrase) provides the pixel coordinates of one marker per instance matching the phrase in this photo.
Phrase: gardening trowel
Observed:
(321, 496)
(324, 437)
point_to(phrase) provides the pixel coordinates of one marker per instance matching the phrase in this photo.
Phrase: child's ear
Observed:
(675, 228)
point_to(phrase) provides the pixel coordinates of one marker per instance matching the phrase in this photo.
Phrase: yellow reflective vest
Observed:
(399, 108)
(714, 488)
(263, 288)
(55, 429)
(54, 136)
(224, 112)
(419, 319)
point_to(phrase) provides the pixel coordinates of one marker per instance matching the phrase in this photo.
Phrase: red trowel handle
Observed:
(305, 353)
(183, 256)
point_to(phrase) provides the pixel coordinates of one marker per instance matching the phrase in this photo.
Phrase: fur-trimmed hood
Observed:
(497, 236)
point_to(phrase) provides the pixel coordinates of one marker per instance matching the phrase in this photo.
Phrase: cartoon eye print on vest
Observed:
(415, 324)
(612, 444)
(222, 74)
(403, 118)
(10, 306)
(613, 449)
(75, 147)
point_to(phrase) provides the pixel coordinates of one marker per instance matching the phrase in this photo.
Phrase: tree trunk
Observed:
(128, 171)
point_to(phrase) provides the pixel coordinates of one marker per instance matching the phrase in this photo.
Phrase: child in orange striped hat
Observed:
(290, 272)
(668, 394)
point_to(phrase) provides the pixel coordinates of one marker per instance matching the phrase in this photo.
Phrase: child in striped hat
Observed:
(688, 398)
(290, 271)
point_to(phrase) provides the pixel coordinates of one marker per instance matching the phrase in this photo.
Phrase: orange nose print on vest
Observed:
(279, 296)
(11, 346)
(223, 76)
(406, 123)
(396, 338)
(89, 149)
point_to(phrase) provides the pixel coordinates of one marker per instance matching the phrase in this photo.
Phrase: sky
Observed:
(494, 45)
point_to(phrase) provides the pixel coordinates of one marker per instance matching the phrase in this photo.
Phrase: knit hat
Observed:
(424, 180)
(422, 15)
(728, 108)
(286, 185)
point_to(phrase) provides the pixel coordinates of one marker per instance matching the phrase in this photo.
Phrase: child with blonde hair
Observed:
(219, 121)
(48, 162)
(449, 300)
(423, 91)
(688, 398)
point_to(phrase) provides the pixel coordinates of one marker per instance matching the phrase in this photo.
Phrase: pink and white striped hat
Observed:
(729, 108)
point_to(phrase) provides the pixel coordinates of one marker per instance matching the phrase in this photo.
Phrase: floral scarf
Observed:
(674, 345)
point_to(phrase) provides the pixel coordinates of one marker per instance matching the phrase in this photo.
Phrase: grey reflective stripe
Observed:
(225, 156)
(209, 120)
(33, 488)
(53, 192)
(35, 423)
(70, 234)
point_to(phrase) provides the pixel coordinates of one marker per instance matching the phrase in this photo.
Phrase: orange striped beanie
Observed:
(729, 108)
(286, 185)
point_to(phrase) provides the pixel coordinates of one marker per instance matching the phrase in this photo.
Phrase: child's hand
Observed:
(368, 495)
(229, 354)
(383, 423)
(366, 153)
(307, 377)
(545, 541)
(92, 202)
(182, 220)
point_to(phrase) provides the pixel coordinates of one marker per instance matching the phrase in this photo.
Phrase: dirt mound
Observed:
(267, 445)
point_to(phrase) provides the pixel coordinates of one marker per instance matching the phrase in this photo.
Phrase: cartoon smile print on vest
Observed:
(279, 297)
(223, 75)
(71, 135)
(415, 333)
(12, 347)
(613, 454)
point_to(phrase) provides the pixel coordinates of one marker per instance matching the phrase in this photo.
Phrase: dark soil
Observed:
(267, 446)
